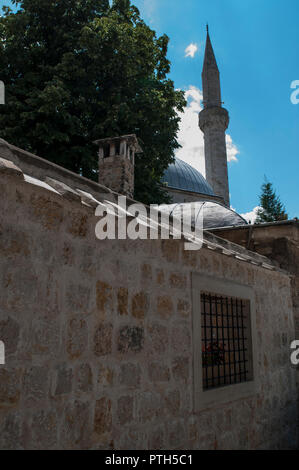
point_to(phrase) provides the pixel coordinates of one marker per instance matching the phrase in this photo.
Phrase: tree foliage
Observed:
(80, 70)
(271, 208)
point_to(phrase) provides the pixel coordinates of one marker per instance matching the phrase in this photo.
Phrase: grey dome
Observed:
(180, 175)
(214, 214)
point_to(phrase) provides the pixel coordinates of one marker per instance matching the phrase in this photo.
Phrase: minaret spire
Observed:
(210, 76)
(213, 121)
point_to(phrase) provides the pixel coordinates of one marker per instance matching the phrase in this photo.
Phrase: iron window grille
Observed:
(226, 340)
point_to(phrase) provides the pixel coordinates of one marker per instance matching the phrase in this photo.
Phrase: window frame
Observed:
(203, 399)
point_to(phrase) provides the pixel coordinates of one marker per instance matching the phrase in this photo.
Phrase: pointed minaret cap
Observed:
(210, 59)
(210, 77)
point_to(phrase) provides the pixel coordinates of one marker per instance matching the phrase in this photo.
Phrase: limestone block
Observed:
(122, 299)
(180, 368)
(158, 372)
(125, 409)
(140, 305)
(102, 416)
(103, 339)
(165, 306)
(130, 339)
(9, 168)
(130, 375)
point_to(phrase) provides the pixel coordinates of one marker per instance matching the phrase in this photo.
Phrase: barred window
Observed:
(226, 340)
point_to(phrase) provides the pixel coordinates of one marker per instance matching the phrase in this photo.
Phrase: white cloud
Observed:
(148, 9)
(232, 149)
(191, 50)
(251, 216)
(190, 136)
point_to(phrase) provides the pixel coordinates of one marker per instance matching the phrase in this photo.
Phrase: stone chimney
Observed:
(116, 163)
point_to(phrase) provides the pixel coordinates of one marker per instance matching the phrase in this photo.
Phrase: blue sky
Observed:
(257, 49)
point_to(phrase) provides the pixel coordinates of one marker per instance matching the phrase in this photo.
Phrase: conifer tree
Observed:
(271, 208)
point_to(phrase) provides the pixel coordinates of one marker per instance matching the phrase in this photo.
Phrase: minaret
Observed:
(213, 121)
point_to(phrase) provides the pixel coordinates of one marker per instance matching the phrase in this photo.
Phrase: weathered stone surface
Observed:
(140, 305)
(68, 254)
(44, 430)
(103, 339)
(11, 432)
(84, 378)
(35, 384)
(48, 212)
(45, 335)
(157, 336)
(125, 409)
(105, 376)
(172, 402)
(77, 337)
(122, 299)
(89, 365)
(180, 338)
(149, 406)
(157, 439)
(170, 250)
(63, 380)
(130, 339)
(104, 298)
(130, 375)
(102, 416)
(9, 386)
(9, 168)
(160, 277)
(14, 244)
(158, 372)
(20, 287)
(10, 335)
(117, 173)
(177, 434)
(77, 298)
(184, 308)
(76, 426)
(146, 272)
(180, 369)
(78, 226)
(63, 189)
(164, 306)
(178, 281)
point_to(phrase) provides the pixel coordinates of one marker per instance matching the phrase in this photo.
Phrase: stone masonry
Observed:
(116, 163)
(279, 241)
(98, 334)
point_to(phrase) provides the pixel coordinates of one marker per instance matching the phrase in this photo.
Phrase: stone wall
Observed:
(279, 241)
(99, 341)
(117, 172)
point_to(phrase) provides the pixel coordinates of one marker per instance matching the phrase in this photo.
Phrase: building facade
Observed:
(141, 344)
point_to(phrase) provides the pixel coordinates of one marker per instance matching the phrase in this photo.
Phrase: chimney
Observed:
(116, 163)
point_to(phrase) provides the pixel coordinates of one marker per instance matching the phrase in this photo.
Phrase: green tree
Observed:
(80, 70)
(271, 208)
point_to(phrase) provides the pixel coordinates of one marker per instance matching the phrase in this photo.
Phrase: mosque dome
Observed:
(213, 214)
(180, 175)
